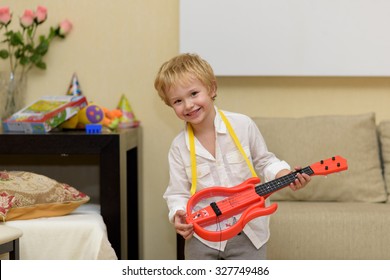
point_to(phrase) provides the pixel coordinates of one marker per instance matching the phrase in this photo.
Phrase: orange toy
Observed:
(111, 117)
(246, 199)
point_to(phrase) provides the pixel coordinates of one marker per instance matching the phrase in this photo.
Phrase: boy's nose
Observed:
(189, 104)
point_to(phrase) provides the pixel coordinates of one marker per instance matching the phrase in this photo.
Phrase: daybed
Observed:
(58, 221)
(81, 235)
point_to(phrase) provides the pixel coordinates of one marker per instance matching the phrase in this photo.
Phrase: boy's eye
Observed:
(194, 93)
(176, 102)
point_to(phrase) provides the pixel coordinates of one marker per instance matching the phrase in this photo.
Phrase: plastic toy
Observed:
(111, 117)
(93, 128)
(128, 118)
(247, 199)
(94, 114)
(91, 114)
(74, 86)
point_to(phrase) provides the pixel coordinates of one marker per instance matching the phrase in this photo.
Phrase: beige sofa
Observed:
(340, 216)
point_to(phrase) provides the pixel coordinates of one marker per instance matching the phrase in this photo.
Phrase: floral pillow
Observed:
(26, 195)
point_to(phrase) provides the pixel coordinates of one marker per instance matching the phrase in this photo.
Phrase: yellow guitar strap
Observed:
(193, 157)
(192, 150)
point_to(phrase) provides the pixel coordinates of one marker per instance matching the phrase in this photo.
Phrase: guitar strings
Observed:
(247, 197)
(274, 185)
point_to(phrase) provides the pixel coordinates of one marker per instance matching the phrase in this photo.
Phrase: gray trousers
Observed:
(237, 248)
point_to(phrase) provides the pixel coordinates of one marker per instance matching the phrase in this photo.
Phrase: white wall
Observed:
(288, 38)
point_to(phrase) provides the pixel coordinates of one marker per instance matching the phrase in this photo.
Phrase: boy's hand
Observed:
(181, 226)
(301, 181)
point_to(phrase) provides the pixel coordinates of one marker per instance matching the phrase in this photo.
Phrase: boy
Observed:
(188, 85)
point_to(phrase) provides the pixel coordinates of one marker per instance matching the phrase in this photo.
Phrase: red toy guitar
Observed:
(247, 199)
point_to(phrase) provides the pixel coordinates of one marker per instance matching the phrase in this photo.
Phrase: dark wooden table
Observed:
(117, 156)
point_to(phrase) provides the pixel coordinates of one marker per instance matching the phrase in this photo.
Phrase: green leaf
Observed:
(41, 65)
(29, 48)
(36, 58)
(24, 60)
(19, 53)
(4, 54)
(16, 39)
(42, 48)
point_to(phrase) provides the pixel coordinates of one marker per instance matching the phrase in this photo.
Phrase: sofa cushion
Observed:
(26, 195)
(384, 136)
(329, 231)
(304, 141)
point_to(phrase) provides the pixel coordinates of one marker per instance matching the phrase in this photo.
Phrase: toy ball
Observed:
(92, 114)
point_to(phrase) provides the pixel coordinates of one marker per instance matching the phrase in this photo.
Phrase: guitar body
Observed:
(246, 199)
(239, 199)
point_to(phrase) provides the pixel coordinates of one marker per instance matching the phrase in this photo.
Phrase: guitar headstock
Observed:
(330, 165)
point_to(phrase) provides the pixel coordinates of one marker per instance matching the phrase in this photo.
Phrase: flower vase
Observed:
(12, 93)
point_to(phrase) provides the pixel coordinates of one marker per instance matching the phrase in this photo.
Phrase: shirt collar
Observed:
(220, 126)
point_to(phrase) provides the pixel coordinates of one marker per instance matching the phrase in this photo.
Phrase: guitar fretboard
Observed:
(281, 182)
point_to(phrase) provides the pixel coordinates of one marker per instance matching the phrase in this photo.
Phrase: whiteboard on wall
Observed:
(289, 37)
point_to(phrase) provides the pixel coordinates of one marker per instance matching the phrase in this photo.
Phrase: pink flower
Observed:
(5, 16)
(27, 19)
(41, 14)
(65, 27)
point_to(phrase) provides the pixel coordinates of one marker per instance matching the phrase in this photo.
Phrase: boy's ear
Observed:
(213, 89)
(215, 86)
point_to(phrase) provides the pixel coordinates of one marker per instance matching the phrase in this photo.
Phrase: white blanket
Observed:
(81, 235)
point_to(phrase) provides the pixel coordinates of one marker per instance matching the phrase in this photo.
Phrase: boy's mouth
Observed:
(193, 113)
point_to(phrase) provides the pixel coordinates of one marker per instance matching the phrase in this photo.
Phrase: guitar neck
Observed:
(277, 184)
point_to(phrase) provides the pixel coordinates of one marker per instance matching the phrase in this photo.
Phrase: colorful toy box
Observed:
(45, 114)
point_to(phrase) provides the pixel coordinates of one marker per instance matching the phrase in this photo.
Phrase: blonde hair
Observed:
(182, 69)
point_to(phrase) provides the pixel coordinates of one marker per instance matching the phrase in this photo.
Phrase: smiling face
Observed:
(192, 102)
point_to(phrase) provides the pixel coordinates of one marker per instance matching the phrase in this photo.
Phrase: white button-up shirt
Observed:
(228, 168)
